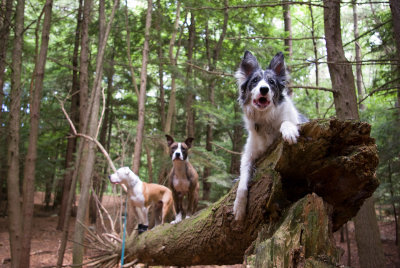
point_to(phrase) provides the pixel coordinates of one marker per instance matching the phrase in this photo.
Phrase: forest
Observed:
(88, 86)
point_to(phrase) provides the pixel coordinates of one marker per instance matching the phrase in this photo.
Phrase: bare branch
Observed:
(209, 72)
(223, 148)
(316, 88)
(271, 4)
(271, 38)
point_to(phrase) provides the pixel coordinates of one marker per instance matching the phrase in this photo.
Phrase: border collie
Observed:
(268, 113)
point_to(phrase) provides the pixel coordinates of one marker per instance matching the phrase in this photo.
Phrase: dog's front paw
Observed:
(178, 218)
(239, 207)
(289, 131)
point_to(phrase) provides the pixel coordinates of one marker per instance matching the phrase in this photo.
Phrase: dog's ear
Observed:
(170, 140)
(248, 65)
(188, 142)
(278, 64)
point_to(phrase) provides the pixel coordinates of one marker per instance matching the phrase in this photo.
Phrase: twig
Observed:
(227, 150)
(271, 38)
(102, 113)
(207, 71)
(317, 88)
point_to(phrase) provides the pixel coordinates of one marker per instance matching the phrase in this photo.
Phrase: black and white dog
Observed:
(268, 113)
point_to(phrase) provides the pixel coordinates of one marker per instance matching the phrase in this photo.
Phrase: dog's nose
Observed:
(177, 154)
(264, 90)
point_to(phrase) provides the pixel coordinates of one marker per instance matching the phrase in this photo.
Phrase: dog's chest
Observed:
(181, 183)
(136, 196)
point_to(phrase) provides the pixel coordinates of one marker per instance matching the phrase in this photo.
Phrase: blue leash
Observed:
(124, 233)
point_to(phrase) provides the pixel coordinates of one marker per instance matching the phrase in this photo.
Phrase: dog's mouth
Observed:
(261, 102)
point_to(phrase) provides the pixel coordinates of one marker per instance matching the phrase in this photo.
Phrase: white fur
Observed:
(271, 121)
(135, 191)
(178, 150)
(178, 218)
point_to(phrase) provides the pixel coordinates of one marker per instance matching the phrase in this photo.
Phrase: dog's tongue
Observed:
(263, 101)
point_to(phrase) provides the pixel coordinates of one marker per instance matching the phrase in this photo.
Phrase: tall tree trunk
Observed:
(13, 192)
(128, 49)
(189, 84)
(30, 160)
(92, 117)
(287, 21)
(172, 97)
(6, 12)
(74, 114)
(160, 65)
(315, 58)
(368, 242)
(212, 62)
(142, 93)
(360, 88)
(84, 65)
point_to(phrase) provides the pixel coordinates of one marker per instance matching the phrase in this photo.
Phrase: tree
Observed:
(88, 159)
(142, 92)
(13, 192)
(367, 233)
(74, 111)
(30, 160)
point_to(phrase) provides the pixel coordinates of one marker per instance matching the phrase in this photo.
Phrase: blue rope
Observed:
(124, 233)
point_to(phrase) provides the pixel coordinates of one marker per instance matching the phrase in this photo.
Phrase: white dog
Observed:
(268, 113)
(142, 195)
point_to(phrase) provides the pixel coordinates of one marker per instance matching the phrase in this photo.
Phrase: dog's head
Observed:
(258, 88)
(178, 150)
(123, 175)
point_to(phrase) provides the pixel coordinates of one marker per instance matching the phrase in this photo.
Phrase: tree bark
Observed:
(395, 10)
(360, 88)
(13, 192)
(92, 117)
(237, 141)
(335, 159)
(74, 114)
(84, 65)
(142, 93)
(315, 58)
(190, 114)
(6, 12)
(346, 108)
(287, 21)
(341, 74)
(212, 64)
(172, 97)
(30, 160)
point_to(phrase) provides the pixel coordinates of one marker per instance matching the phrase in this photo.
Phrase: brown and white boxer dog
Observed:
(183, 178)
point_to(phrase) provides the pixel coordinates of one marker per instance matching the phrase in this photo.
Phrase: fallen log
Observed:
(334, 159)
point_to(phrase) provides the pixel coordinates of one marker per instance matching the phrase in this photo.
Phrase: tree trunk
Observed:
(160, 65)
(340, 69)
(84, 65)
(189, 84)
(360, 88)
(13, 192)
(128, 50)
(142, 93)
(74, 114)
(329, 153)
(212, 63)
(346, 108)
(172, 97)
(6, 12)
(395, 10)
(315, 58)
(287, 21)
(92, 118)
(30, 159)
(370, 252)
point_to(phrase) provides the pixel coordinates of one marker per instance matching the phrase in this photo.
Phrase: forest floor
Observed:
(46, 239)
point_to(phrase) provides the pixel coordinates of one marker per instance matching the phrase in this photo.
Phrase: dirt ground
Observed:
(46, 240)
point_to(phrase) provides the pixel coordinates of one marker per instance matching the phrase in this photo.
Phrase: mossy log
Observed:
(334, 159)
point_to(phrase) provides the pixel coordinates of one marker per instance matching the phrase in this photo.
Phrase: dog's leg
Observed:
(179, 208)
(289, 131)
(192, 201)
(251, 151)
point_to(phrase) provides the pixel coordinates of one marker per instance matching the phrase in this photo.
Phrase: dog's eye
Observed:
(174, 148)
(255, 80)
(271, 81)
